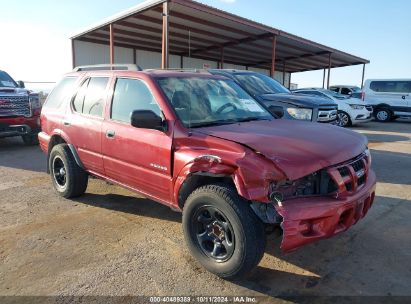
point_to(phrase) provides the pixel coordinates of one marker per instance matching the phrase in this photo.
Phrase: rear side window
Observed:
(391, 86)
(91, 96)
(131, 95)
(63, 91)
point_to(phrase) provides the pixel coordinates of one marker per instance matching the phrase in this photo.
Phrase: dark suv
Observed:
(200, 144)
(19, 110)
(279, 100)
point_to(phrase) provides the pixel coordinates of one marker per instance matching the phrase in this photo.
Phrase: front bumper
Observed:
(306, 220)
(19, 126)
(361, 116)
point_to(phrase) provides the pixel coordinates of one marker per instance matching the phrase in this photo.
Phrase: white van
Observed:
(390, 98)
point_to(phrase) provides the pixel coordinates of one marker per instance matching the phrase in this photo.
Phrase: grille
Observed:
(327, 113)
(351, 176)
(14, 106)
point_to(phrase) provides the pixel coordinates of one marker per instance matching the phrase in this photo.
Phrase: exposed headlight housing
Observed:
(302, 114)
(357, 107)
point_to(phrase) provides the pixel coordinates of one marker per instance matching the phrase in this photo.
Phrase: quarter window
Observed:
(131, 95)
(63, 91)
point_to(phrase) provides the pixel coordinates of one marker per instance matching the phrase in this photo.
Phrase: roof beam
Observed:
(136, 42)
(150, 29)
(230, 43)
(215, 12)
(184, 27)
(131, 35)
(185, 17)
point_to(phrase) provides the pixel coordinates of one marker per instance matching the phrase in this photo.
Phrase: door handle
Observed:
(110, 134)
(66, 123)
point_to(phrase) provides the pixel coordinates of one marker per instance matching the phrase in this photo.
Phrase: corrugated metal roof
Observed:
(200, 31)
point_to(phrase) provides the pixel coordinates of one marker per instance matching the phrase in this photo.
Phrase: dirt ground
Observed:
(111, 242)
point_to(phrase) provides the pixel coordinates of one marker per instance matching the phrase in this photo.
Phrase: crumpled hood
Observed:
(298, 100)
(297, 148)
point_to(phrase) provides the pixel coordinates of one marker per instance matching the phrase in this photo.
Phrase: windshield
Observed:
(7, 81)
(259, 84)
(201, 102)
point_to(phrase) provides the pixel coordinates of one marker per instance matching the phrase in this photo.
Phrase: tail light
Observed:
(363, 96)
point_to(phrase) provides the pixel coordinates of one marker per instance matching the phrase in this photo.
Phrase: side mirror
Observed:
(277, 111)
(21, 84)
(146, 119)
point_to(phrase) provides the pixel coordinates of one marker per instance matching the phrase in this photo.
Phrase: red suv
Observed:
(200, 144)
(19, 110)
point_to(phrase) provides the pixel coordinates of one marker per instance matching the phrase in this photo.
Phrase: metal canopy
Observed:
(200, 31)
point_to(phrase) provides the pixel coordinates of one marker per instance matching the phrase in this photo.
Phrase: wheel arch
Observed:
(198, 179)
(383, 106)
(57, 139)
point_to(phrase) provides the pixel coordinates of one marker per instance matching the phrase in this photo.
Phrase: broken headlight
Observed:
(318, 183)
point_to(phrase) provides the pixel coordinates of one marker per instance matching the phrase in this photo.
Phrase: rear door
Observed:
(138, 158)
(84, 120)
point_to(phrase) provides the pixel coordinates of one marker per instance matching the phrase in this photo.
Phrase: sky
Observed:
(35, 45)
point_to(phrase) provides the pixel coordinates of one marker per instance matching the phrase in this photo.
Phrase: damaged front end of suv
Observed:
(313, 191)
(321, 204)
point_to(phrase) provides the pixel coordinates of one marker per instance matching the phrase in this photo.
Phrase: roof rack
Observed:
(108, 67)
(193, 70)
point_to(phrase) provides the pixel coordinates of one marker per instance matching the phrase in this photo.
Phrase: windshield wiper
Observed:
(214, 123)
(247, 119)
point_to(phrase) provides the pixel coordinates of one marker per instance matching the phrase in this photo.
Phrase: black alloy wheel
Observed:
(215, 235)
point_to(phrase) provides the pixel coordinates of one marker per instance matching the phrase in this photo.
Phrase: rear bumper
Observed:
(18, 126)
(307, 220)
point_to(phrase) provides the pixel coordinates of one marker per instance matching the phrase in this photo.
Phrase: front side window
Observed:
(202, 101)
(90, 97)
(259, 84)
(131, 95)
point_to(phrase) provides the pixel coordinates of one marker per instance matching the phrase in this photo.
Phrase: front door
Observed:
(138, 158)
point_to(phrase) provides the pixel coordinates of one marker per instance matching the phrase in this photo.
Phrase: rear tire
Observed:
(69, 180)
(383, 115)
(30, 139)
(222, 232)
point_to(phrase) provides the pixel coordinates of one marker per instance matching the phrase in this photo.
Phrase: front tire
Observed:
(344, 120)
(222, 232)
(383, 115)
(30, 139)
(69, 180)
